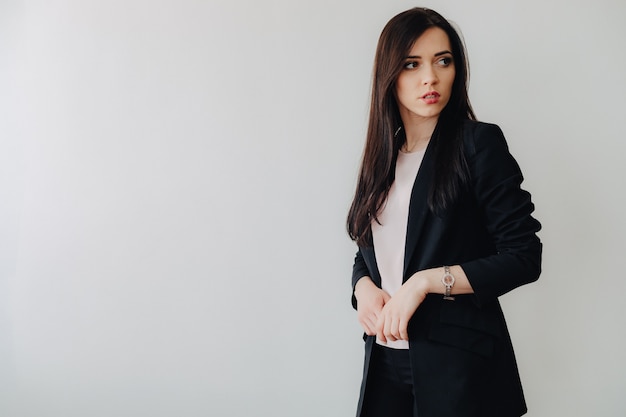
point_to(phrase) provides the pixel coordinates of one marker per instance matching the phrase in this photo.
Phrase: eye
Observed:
(411, 65)
(445, 61)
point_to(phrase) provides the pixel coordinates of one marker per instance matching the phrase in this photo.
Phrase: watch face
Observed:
(447, 280)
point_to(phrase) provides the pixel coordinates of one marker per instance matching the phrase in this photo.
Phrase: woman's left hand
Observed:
(394, 318)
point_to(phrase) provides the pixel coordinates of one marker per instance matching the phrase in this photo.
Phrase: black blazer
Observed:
(461, 354)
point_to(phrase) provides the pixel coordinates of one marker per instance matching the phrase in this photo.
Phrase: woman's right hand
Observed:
(370, 302)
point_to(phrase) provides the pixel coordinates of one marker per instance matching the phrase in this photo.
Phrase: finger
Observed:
(394, 329)
(379, 329)
(365, 327)
(371, 326)
(368, 325)
(366, 317)
(403, 329)
(388, 330)
(368, 331)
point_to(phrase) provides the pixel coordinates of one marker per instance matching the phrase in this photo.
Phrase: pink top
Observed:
(390, 236)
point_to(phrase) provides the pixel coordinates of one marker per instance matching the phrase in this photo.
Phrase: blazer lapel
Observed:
(418, 206)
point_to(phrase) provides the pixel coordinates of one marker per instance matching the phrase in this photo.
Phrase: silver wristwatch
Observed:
(448, 282)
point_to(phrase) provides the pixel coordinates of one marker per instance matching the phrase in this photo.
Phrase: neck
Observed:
(418, 133)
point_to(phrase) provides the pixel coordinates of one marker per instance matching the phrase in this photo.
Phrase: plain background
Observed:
(174, 180)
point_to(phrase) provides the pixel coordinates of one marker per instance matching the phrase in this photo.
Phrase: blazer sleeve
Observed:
(359, 270)
(506, 209)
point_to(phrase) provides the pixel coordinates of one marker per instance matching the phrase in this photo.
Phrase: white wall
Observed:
(175, 175)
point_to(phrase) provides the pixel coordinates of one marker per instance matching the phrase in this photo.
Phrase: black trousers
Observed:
(389, 386)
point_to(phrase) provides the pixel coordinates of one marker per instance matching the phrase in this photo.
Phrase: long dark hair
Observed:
(383, 138)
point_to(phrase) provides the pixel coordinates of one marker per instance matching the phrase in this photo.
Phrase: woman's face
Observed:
(425, 83)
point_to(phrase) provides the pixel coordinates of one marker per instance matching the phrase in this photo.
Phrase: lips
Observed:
(432, 97)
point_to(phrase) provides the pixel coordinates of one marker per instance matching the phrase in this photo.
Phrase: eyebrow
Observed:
(437, 54)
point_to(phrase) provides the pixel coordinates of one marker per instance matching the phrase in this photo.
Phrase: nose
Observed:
(429, 75)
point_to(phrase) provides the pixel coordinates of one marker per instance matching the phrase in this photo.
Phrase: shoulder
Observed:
(486, 150)
(480, 135)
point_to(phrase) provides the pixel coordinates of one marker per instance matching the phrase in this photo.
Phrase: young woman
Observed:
(443, 229)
